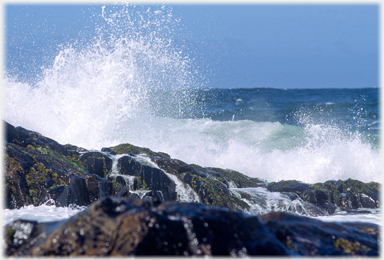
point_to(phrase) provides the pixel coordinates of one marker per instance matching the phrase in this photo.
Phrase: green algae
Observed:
(213, 193)
(129, 148)
(238, 178)
(141, 184)
(350, 247)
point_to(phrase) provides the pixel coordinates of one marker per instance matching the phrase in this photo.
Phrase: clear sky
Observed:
(254, 45)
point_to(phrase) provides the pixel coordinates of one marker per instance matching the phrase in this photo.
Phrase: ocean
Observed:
(134, 83)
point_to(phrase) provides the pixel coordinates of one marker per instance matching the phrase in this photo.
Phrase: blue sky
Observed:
(280, 46)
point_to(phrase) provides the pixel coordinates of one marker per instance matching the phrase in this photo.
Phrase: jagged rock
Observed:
(127, 165)
(239, 179)
(97, 163)
(135, 150)
(39, 169)
(36, 173)
(11, 134)
(330, 195)
(119, 227)
(211, 191)
(149, 177)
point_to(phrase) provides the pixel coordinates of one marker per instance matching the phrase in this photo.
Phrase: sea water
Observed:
(134, 83)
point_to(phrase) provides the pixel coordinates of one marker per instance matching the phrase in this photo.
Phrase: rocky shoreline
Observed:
(128, 186)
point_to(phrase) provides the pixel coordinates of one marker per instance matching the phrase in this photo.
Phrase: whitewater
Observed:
(132, 84)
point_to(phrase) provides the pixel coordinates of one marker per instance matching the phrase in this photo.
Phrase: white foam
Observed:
(42, 213)
(262, 201)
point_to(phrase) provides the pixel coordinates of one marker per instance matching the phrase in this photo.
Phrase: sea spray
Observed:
(133, 82)
(90, 91)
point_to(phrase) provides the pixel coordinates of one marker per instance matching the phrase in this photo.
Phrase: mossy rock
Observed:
(240, 180)
(97, 163)
(129, 148)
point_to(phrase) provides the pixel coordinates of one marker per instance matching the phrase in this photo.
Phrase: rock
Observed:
(97, 163)
(40, 169)
(11, 134)
(135, 150)
(211, 191)
(239, 179)
(35, 139)
(312, 237)
(134, 227)
(36, 173)
(127, 165)
(148, 176)
(114, 227)
(288, 186)
(333, 195)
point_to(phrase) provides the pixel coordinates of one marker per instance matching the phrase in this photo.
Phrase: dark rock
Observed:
(240, 180)
(60, 194)
(158, 181)
(11, 135)
(312, 237)
(330, 195)
(35, 139)
(149, 177)
(135, 150)
(107, 150)
(154, 195)
(114, 227)
(211, 191)
(39, 169)
(127, 165)
(288, 186)
(121, 181)
(133, 227)
(79, 195)
(97, 163)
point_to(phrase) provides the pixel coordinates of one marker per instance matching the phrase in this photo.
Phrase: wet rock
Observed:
(332, 195)
(148, 176)
(288, 186)
(36, 173)
(39, 169)
(114, 227)
(135, 150)
(97, 163)
(312, 237)
(134, 227)
(127, 165)
(239, 179)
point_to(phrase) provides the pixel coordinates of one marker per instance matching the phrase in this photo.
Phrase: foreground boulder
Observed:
(126, 227)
